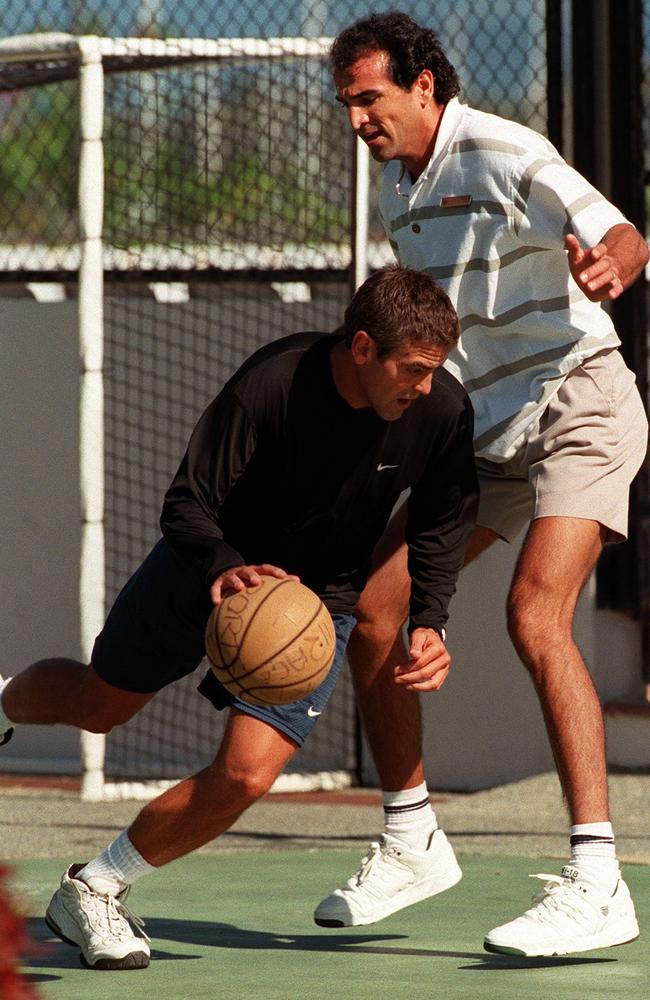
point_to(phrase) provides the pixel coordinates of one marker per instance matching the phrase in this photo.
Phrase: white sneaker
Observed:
(98, 924)
(391, 877)
(568, 916)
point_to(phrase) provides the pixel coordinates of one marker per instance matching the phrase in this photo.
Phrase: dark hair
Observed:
(410, 49)
(397, 306)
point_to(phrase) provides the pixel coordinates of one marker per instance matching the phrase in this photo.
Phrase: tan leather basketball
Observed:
(271, 644)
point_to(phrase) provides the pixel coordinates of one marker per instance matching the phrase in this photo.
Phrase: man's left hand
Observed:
(606, 270)
(429, 664)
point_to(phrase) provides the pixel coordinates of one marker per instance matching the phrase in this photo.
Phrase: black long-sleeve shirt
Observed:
(281, 469)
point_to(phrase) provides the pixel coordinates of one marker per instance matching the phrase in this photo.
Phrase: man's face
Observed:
(391, 384)
(394, 123)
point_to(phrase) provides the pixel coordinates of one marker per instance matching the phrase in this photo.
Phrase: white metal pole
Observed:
(361, 202)
(91, 347)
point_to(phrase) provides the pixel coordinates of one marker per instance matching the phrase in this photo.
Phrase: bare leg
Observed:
(556, 560)
(251, 756)
(376, 647)
(66, 691)
(197, 810)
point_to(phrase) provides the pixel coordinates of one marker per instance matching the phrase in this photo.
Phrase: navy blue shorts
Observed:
(154, 635)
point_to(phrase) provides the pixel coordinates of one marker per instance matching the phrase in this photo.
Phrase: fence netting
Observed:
(227, 224)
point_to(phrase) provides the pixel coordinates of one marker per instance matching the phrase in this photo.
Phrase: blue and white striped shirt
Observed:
(487, 219)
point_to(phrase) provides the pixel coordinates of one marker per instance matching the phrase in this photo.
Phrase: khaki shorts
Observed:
(580, 457)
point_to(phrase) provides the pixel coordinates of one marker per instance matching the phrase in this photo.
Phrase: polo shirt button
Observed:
(415, 228)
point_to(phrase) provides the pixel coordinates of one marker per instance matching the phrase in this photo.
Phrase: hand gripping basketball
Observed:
(271, 644)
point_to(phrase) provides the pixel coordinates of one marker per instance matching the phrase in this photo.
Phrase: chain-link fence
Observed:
(249, 169)
(227, 223)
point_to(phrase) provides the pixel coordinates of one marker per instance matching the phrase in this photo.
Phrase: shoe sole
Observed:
(595, 943)
(135, 960)
(409, 897)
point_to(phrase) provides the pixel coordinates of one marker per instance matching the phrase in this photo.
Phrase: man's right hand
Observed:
(240, 577)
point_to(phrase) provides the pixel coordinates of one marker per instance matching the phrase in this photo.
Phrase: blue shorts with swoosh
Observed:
(154, 635)
(297, 719)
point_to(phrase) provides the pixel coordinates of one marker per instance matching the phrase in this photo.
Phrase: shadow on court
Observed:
(52, 954)
(494, 963)
(240, 925)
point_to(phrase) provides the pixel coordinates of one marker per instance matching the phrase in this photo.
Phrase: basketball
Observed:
(271, 644)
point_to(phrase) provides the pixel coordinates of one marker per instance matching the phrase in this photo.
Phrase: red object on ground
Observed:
(13, 939)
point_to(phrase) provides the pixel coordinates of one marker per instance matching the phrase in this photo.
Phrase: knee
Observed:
(535, 630)
(246, 784)
(98, 714)
(379, 625)
(100, 707)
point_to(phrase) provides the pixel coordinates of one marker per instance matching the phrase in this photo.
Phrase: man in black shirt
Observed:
(293, 469)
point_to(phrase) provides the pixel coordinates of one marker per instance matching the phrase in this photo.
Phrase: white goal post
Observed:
(42, 58)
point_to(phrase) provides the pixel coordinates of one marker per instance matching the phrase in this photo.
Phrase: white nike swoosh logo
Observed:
(312, 711)
(380, 467)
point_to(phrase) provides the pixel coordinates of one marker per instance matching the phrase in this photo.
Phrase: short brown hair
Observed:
(397, 306)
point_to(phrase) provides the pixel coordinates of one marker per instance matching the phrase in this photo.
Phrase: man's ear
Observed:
(426, 84)
(363, 348)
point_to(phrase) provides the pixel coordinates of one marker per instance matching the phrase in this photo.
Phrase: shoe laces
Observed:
(113, 916)
(379, 853)
(560, 894)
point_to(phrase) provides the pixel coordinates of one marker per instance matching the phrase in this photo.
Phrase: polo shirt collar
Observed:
(451, 118)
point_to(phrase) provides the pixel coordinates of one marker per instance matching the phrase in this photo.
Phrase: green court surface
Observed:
(239, 926)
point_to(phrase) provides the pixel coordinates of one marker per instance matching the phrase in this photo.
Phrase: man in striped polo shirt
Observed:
(527, 251)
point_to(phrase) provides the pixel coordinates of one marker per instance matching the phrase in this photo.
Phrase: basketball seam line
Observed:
(244, 633)
(253, 692)
(282, 648)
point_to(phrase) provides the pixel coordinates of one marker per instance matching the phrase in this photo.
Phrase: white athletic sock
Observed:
(593, 853)
(115, 868)
(409, 817)
(5, 721)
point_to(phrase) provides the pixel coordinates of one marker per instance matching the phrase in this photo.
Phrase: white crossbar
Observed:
(51, 46)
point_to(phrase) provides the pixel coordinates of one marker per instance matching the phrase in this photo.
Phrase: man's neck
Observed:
(418, 163)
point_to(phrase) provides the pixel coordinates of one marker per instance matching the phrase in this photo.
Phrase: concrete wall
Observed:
(485, 726)
(39, 507)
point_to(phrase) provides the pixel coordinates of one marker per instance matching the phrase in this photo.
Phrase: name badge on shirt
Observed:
(456, 201)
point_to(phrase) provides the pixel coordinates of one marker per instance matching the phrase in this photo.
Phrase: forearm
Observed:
(436, 556)
(205, 550)
(442, 512)
(434, 570)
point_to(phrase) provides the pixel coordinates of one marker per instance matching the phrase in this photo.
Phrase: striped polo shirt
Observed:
(487, 220)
